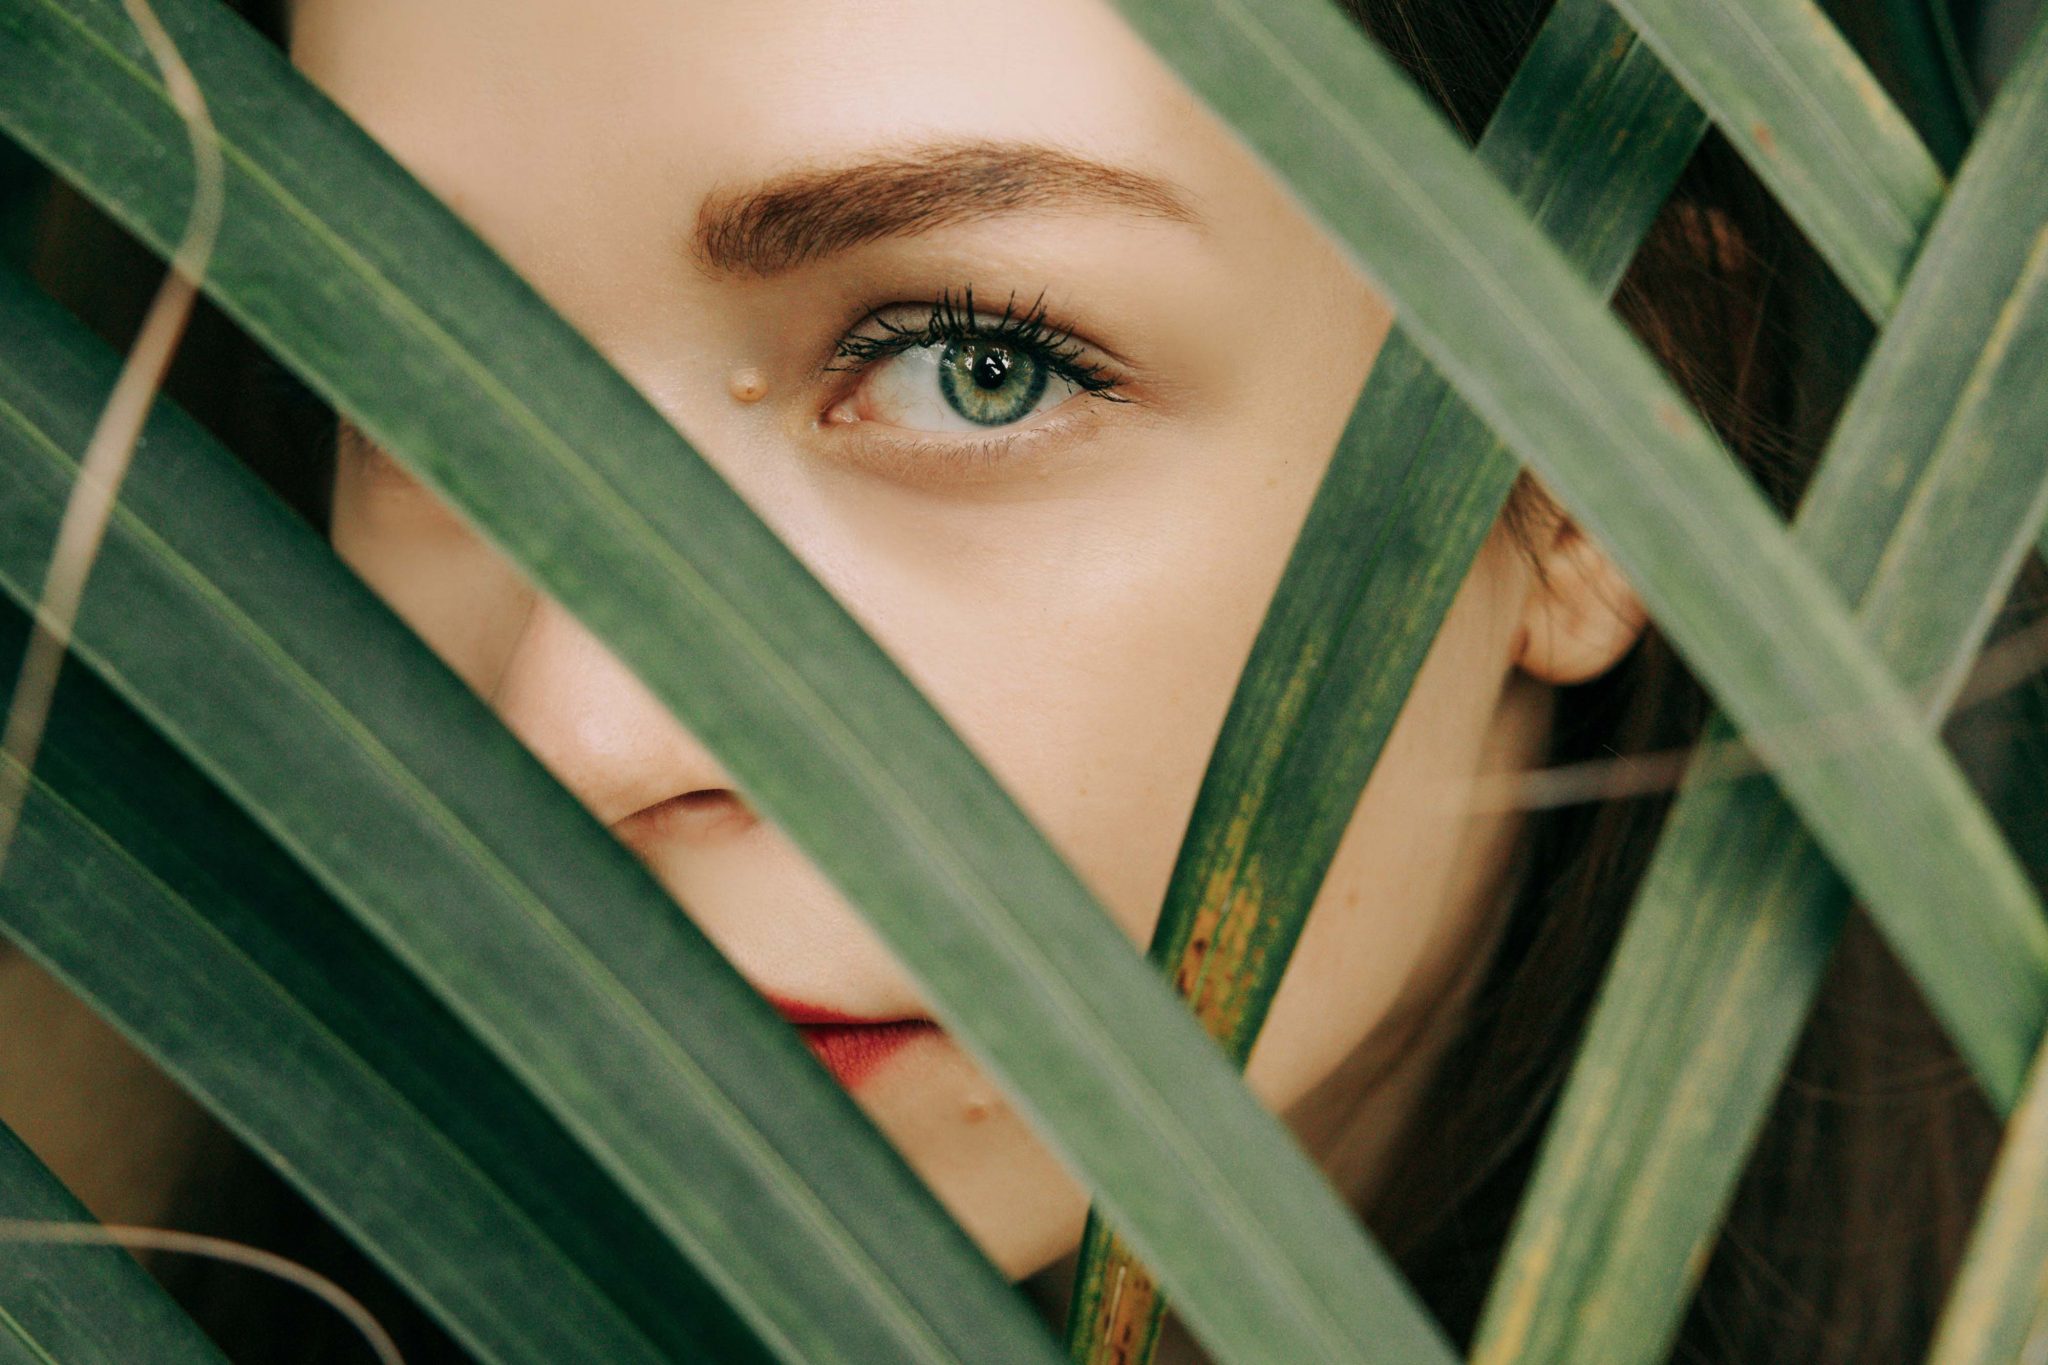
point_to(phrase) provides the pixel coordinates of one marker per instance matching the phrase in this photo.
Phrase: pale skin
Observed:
(1076, 589)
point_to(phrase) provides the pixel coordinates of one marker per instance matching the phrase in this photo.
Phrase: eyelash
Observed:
(948, 319)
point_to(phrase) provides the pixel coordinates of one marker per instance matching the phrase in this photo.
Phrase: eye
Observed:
(963, 386)
(949, 368)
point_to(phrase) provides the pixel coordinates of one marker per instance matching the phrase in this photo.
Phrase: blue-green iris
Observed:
(990, 384)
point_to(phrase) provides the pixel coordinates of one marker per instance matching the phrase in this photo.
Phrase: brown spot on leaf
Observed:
(1125, 1325)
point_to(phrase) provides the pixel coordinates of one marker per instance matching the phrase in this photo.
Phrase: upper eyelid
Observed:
(1071, 353)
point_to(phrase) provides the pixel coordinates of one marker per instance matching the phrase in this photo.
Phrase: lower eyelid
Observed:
(930, 459)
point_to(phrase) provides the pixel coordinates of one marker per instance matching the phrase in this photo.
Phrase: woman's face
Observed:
(770, 216)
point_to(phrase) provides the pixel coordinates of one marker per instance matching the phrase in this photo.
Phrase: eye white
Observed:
(905, 390)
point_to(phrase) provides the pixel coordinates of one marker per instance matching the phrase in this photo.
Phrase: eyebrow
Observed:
(804, 215)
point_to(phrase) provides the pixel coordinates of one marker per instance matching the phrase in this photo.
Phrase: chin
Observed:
(979, 1158)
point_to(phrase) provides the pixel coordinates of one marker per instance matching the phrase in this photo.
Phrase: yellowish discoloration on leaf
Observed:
(1873, 95)
(1850, 66)
(1519, 1315)
(1221, 994)
(1215, 973)
(1279, 727)
(2006, 1273)
(2016, 310)
(1218, 967)
(1187, 973)
(1126, 1313)
(1696, 1260)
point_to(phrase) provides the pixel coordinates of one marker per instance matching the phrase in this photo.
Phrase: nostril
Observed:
(691, 817)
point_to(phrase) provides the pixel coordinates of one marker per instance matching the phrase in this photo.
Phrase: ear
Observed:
(1581, 616)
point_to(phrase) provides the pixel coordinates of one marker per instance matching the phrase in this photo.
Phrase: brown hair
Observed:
(1850, 1219)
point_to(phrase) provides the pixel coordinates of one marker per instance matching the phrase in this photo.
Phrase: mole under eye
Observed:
(949, 368)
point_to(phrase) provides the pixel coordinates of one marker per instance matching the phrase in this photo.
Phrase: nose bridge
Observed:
(593, 724)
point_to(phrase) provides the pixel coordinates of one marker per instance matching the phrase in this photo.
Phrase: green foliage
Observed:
(1787, 90)
(55, 1300)
(449, 361)
(294, 1025)
(1591, 137)
(1926, 501)
(1530, 347)
(592, 1141)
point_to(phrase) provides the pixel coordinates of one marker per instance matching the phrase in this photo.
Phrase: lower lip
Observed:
(851, 1052)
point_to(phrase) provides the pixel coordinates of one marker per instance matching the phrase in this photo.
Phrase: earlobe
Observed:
(1581, 616)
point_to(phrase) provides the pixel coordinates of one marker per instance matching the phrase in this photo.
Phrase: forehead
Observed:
(689, 96)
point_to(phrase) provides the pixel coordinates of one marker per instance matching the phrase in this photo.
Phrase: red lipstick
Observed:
(850, 1047)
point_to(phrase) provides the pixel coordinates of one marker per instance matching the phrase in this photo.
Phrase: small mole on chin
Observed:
(747, 385)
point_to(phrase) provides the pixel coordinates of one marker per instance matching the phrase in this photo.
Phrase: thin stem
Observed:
(112, 447)
(214, 1248)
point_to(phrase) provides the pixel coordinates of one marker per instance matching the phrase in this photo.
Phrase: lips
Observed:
(851, 1047)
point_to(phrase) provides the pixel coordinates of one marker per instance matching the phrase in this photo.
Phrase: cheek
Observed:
(1086, 638)
(1087, 651)
(1415, 876)
(458, 594)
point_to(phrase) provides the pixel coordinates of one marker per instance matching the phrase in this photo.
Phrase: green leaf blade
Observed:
(414, 800)
(1787, 89)
(1530, 348)
(1994, 1314)
(1373, 574)
(90, 911)
(589, 488)
(78, 1304)
(1591, 135)
(1924, 517)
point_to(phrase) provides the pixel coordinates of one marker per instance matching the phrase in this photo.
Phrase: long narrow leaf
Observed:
(388, 305)
(1932, 492)
(1995, 1312)
(234, 625)
(1787, 89)
(1998, 1311)
(251, 988)
(1531, 348)
(1591, 134)
(78, 1304)
(117, 929)
(1593, 141)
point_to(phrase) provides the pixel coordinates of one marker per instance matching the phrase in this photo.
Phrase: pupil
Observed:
(990, 368)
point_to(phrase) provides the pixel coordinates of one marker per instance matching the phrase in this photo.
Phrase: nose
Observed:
(604, 736)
